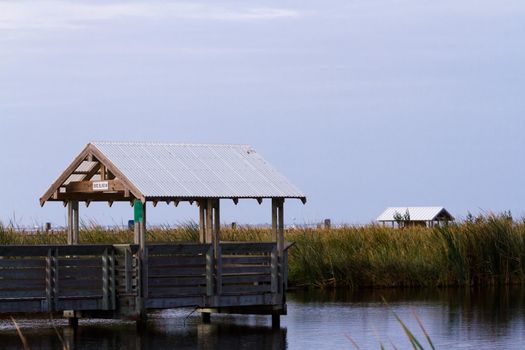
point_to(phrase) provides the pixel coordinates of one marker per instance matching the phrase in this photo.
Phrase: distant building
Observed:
(415, 216)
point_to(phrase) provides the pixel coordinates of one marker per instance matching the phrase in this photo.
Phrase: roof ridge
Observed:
(142, 143)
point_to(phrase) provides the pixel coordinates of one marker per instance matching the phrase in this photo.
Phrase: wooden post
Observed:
(280, 242)
(76, 223)
(202, 221)
(143, 229)
(210, 255)
(142, 255)
(275, 257)
(209, 221)
(217, 247)
(278, 268)
(72, 222)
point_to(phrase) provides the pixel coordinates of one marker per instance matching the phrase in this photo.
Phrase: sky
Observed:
(363, 104)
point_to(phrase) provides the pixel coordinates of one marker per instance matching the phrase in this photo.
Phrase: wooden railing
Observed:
(120, 278)
(177, 275)
(249, 268)
(54, 278)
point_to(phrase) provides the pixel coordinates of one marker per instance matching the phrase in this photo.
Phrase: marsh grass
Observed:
(486, 250)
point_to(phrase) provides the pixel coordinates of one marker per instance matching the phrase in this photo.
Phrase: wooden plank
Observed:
(246, 279)
(78, 303)
(10, 284)
(81, 284)
(82, 249)
(243, 289)
(241, 300)
(176, 281)
(24, 250)
(23, 294)
(29, 273)
(91, 293)
(166, 303)
(177, 260)
(20, 263)
(246, 269)
(247, 247)
(80, 272)
(172, 272)
(174, 292)
(187, 248)
(22, 305)
(80, 262)
(245, 259)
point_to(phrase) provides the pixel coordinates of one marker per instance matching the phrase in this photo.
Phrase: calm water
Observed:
(455, 320)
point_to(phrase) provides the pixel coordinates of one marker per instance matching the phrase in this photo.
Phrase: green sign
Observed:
(139, 211)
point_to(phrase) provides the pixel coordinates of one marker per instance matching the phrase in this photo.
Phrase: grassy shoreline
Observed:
(482, 251)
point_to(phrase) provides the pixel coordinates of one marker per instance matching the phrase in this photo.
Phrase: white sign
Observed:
(100, 186)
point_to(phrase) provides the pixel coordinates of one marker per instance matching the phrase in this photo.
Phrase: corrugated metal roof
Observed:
(197, 170)
(416, 213)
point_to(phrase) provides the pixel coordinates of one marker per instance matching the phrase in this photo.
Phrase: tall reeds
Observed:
(486, 250)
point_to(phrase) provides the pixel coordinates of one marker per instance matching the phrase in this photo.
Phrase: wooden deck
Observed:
(121, 281)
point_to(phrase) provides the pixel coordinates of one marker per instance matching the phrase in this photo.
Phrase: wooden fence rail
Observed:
(49, 278)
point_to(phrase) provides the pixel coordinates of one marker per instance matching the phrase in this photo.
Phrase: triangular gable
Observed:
(92, 177)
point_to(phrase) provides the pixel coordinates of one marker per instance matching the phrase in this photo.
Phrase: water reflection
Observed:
(466, 319)
(455, 318)
(160, 334)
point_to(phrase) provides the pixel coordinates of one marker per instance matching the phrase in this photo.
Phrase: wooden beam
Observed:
(92, 172)
(66, 173)
(103, 175)
(92, 197)
(91, 186)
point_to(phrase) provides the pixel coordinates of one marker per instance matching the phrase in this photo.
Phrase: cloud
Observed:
(19, 15)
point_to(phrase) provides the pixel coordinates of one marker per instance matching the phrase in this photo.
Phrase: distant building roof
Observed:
(160, 171)
(416, 213)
